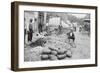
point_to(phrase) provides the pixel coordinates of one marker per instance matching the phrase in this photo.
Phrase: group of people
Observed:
(32, 34)
(70, 34)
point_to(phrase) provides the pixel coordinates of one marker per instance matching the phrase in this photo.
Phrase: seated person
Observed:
(71, 36)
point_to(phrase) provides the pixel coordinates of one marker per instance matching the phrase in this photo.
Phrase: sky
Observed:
(79, 15)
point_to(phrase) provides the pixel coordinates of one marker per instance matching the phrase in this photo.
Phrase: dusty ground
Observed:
(81, 49)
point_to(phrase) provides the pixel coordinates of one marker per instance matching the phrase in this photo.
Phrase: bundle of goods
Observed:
(55, 54)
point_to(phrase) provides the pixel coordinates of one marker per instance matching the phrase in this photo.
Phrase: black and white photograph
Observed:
(50, 36)
(53, 36)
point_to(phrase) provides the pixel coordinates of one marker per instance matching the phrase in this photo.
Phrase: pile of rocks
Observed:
(55, 54)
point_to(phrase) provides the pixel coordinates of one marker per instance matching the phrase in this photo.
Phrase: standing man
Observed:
(30, 33)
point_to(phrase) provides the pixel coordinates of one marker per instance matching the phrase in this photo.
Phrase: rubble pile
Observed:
(56, 47)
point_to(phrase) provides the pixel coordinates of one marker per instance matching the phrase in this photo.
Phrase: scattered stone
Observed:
(53, 48)
(46, 51)
(62, 56)
(54, 52)
(44, 57)
(69, 53)
(61, 51)
(53, 57)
